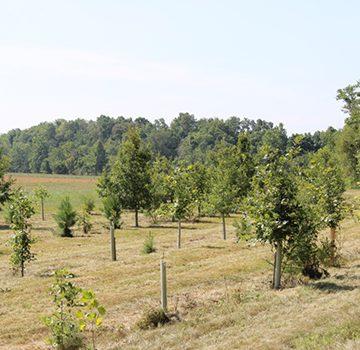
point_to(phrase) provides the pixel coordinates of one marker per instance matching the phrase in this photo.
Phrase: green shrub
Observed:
(149, 244)
(89, 205)
(84, 222)
(66, 217)
(152, 318)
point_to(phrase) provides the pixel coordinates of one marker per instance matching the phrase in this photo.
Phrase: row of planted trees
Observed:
(284, 199)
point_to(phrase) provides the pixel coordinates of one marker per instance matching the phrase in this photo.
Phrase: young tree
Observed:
(41, 193)
(200, 179)
(329, 187)
(84, 222)
(231, 177)
(274, 207)
(66, 217)
(77, 311)
(112, 207)
(112, 211)
(21, 210)
(182, 186)
(161, 192)
(130, 174)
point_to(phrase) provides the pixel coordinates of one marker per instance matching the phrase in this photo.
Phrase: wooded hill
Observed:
(84, 147)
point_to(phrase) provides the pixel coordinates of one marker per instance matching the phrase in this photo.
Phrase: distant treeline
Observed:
(86, 147)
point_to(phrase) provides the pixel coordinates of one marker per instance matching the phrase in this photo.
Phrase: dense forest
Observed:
(86, 147)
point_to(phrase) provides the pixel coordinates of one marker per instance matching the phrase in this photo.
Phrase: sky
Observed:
(281, 61)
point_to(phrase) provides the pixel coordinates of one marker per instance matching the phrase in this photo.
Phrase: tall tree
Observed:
(101, 158)
(131, 173)
(275, 210)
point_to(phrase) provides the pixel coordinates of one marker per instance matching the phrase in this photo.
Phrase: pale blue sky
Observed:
(277, 60)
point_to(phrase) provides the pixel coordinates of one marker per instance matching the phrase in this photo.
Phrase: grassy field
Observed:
(220, 288)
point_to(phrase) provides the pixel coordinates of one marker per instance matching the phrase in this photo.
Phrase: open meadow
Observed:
(220, 289)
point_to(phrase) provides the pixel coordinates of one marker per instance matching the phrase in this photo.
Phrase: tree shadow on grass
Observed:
(331, 287)
(212, 247)
(347, 277)
(4, 227)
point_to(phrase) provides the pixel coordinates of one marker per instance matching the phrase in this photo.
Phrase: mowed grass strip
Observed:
(220, 288)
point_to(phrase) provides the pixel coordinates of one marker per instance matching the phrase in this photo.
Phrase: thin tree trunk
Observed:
(332, 245)
(112, 242)
(42, 210)
(136, 217)
(22, 268)
(277, 277)
(179, 235)
(223, 226)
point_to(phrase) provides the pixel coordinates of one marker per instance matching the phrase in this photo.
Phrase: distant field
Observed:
(60, 186)
(220, 288)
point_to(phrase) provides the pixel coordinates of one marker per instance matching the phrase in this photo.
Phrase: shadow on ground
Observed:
(331, 287)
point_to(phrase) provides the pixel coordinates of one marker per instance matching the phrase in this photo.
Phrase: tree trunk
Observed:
(112, 242)
(277, 275)
(179, 235)
(332, 245)
(136, 217)
(22, 268)
(223, 226)
(42, 210)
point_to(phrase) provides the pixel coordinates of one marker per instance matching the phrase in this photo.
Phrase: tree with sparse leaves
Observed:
(41, 193)
(20, 210)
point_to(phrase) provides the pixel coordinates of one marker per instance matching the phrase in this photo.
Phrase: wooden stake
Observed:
(223, 226)
(179, 235)
(112, 242)
(163, 286)
(332, 245)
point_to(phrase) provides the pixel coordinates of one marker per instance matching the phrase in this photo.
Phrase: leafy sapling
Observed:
(41, 193)
(21, 209)
(77, 312)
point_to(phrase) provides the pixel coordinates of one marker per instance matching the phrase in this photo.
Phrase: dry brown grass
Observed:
(221, 290)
